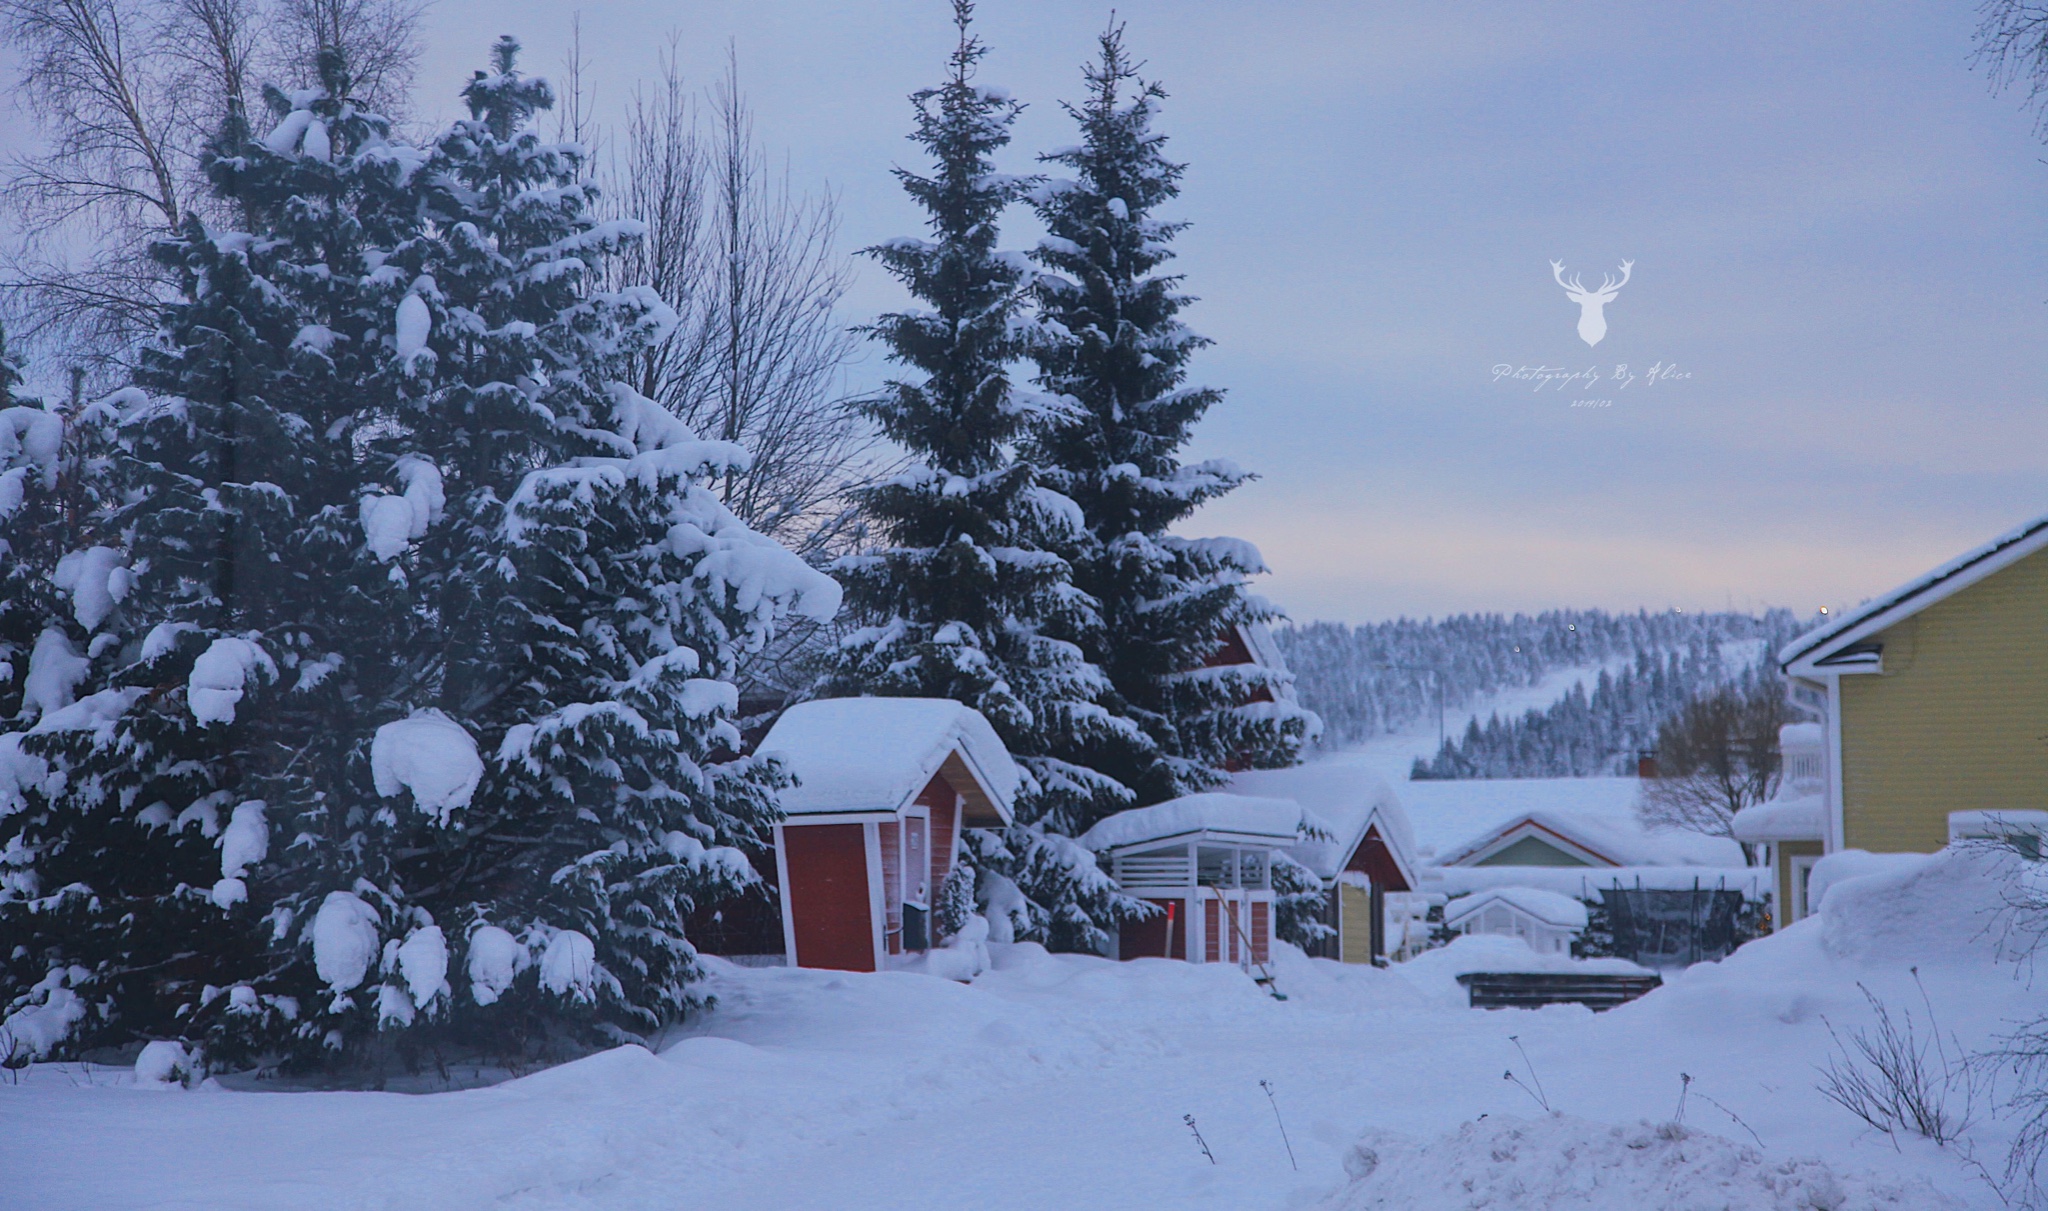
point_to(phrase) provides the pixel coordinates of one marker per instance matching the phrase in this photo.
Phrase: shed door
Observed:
(917, 883)
(828, 896)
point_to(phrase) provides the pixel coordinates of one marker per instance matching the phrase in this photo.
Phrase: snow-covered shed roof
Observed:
(1548, 907)
(1454, 817)
(1243, 819)
(1826, 646)
(1350, 800)
(1793, 818)
(877, 754)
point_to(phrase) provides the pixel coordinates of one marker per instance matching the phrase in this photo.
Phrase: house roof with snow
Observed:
(1548, 907)
(1838, 644)
(1358, 808)
(1579, 821)
(1214, 816)
(854, 755)
(1787, 818)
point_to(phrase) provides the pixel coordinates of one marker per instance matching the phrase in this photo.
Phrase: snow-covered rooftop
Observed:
(1963, 570)
(1234, 817)
(1349, 799)
(1598, 813)
(876, 754)
(1785, 819)
(1549, 907)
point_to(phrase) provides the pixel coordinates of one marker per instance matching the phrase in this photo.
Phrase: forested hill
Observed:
(1376, 678)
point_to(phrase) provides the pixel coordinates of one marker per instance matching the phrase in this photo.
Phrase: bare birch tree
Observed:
(127, 95)
(2012, 46)
(1718, 756)
(750, 265)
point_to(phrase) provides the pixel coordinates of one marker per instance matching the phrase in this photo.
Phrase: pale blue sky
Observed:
(1837, 231)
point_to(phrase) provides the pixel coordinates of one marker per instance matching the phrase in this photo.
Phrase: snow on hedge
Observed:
(430, 755)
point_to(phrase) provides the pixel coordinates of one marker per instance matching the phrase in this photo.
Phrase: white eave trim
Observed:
(1200, 835)
(856, 816)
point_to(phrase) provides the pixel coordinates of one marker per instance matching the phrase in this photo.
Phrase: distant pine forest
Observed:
(1377, 678)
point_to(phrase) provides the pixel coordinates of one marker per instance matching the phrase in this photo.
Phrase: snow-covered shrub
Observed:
(955, 902)
(1900, 1075)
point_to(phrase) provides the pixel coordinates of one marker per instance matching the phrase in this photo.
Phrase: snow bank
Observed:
(1277, 820)
(1564, 1162)
(162, 1062)
(1435, 972)
(1941, 908)
(430, 755)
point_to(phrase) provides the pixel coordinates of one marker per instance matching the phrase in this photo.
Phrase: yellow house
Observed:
(1932, 708)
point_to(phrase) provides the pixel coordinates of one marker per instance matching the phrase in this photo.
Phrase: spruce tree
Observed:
(414, 727)
(969, 599)
(1114, 348)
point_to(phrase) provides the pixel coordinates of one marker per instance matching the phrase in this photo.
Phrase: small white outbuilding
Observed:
(1546, 920)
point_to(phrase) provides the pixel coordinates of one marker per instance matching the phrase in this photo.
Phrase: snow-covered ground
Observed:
(1062, 1081)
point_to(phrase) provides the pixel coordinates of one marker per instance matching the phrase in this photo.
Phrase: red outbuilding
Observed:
(872, 826)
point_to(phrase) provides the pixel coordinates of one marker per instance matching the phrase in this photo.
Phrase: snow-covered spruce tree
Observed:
(1114, 348)
(967, 598)
(414, 730)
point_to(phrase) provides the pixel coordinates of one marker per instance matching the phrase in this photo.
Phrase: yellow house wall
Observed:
(1958, 720)
(1354, 924)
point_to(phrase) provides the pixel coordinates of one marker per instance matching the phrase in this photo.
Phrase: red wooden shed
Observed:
(872, 827)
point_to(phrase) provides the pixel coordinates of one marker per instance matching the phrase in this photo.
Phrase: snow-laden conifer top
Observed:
(864, 754)
(1280, 820)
